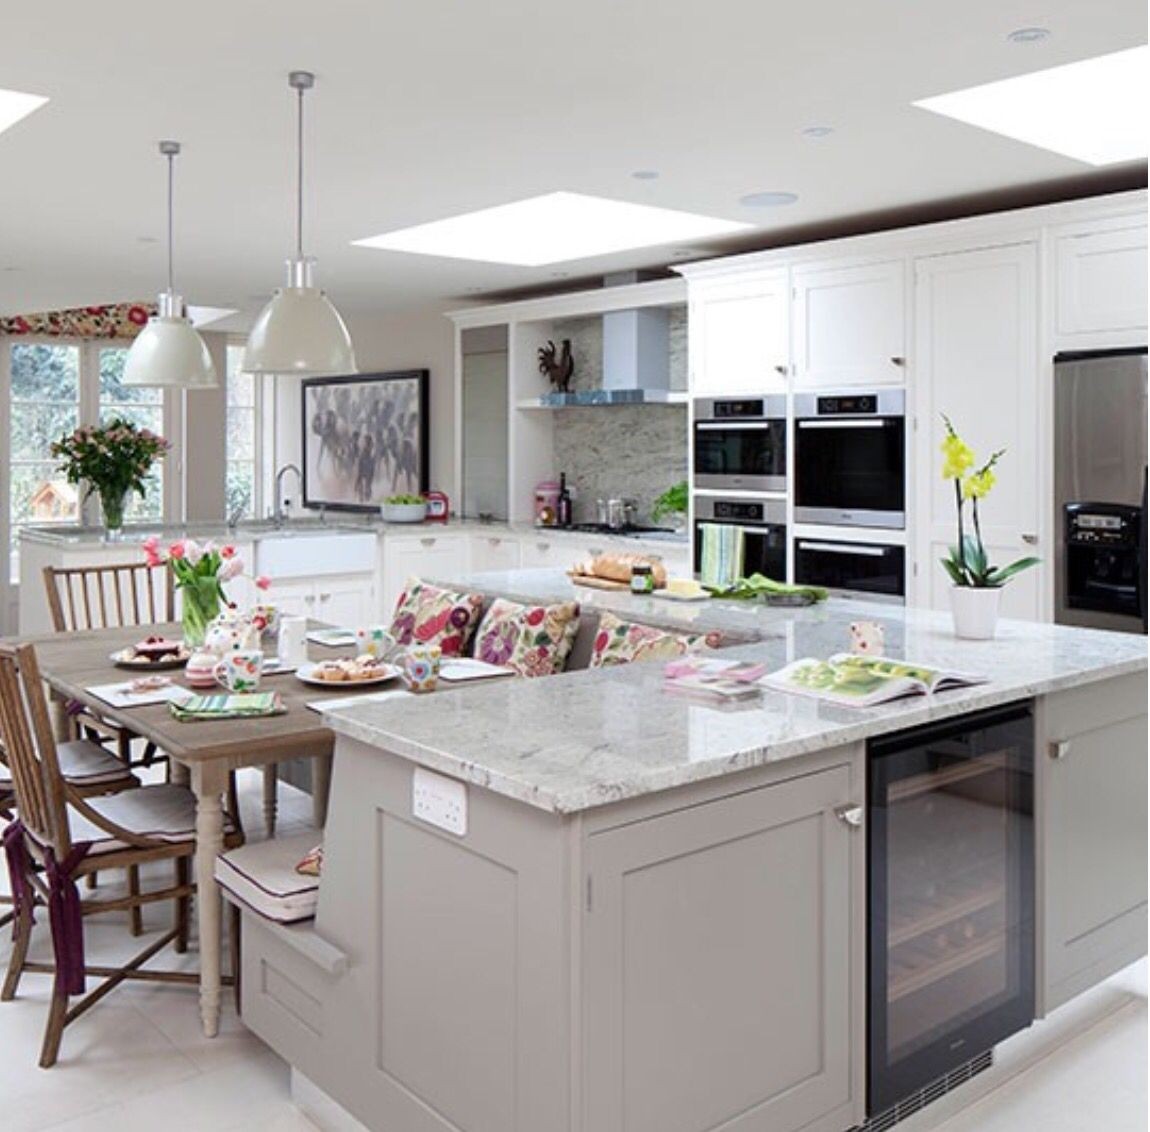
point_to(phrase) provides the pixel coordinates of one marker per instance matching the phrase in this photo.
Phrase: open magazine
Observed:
(863, 681)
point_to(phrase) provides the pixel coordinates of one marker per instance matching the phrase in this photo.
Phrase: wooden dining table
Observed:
(72, 663)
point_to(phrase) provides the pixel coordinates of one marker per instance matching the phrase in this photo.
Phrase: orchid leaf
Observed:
(1000, 574)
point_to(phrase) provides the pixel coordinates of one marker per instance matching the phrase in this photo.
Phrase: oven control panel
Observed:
(853, 406)
(749, 408)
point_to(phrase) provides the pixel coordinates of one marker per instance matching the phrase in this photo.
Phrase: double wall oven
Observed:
(741, 444)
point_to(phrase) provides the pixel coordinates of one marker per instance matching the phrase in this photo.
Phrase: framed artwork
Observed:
(365, 437)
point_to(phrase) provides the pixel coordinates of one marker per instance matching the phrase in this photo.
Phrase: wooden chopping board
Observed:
(593, 583)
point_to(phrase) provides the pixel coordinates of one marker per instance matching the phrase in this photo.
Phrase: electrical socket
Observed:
(439, 801)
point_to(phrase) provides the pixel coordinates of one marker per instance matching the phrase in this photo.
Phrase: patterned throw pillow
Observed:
(532, 639)
(429, 615)
(623, 642)
(312, 863)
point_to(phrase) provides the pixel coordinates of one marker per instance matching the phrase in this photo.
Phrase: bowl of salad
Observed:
(403, 509)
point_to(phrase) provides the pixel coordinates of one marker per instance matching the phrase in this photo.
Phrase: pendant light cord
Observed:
(171, 195)
(299, 179)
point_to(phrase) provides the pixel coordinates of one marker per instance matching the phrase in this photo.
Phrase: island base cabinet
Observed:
(718, 965)
(1091, 795)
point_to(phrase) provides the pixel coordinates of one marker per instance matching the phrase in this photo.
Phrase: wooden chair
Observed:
(62, 836)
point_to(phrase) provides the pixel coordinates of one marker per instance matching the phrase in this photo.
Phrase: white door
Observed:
(492, 552)
(976, 360)
(849, 325)
(738, 337)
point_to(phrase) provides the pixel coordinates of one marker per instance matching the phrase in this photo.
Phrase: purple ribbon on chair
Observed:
(66, 918)
(19, 866)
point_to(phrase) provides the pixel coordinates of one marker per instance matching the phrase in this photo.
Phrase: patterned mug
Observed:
(421, 668)
(240, 670)
(376, 641)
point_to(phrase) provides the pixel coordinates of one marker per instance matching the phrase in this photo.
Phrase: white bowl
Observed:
(403, 512)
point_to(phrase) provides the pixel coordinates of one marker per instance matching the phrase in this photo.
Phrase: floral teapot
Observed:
(232, 630)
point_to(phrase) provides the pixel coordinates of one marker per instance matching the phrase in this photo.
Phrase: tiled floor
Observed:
(139, 1063)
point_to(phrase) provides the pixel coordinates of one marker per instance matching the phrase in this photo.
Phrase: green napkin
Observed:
(239, 706)
(760, 586)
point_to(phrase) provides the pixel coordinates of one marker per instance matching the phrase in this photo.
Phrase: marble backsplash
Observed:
(619, 451)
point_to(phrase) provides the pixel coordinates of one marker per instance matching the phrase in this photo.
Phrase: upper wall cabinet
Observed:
(849, 325)
(1100, 284)
(738, 336)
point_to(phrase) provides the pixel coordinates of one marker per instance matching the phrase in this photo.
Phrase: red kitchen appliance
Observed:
(438, 507)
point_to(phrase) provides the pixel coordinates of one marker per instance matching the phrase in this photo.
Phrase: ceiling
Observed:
(424, 110)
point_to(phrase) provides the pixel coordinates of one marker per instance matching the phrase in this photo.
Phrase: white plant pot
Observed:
(975, 610)
(403, 512)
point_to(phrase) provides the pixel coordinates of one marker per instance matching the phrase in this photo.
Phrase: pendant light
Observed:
(169, 351)
(299, 331)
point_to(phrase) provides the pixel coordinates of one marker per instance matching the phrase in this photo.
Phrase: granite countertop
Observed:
(70, 535)
(583, 739)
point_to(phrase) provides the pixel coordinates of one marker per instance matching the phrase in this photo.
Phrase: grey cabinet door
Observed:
(717, 953)
(1092, 849)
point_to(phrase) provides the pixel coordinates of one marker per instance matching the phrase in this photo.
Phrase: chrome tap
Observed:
(279, 514)
(238, 500)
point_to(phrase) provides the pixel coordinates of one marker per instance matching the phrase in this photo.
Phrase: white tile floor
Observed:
(139, 1063)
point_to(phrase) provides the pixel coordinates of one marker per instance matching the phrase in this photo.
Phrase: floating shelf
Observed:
(602, 399)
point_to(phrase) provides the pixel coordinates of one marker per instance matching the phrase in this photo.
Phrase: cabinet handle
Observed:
(542, 547)
(494, 541)
(850, 814)
(898, 360)
(325, 597)
(427, 542)
(782, 370)
(1030, 540)
(1059, 749)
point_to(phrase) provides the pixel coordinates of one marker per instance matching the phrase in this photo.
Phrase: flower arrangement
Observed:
(967, 563)
(113, 460)
(200, 571)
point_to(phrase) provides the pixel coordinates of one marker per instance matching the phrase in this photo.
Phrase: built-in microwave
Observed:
(763, 522)
(850, 459)
(854, 567)
(741, 443)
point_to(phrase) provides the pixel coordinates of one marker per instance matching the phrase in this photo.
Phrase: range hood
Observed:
(636, 359)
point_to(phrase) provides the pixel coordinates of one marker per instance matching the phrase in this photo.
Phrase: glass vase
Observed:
(201, 606)
(113, 504)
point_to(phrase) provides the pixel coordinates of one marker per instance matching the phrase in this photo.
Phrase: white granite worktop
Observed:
(583, 739)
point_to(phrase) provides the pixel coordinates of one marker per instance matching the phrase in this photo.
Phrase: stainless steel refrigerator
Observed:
(1100, 489)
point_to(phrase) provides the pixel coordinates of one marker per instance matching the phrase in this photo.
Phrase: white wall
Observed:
(421, 338)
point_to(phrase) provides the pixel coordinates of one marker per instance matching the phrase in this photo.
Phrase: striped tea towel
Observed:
(722, 554)
(237, 706)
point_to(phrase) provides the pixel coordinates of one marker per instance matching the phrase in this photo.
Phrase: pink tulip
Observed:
(151, 544)
(263, 582)
(176, 550)
(232, 568)
(227, 552)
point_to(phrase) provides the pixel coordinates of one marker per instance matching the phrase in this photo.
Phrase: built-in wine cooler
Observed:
(951, 872)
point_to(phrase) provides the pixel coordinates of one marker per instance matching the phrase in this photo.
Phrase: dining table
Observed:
(202, 752)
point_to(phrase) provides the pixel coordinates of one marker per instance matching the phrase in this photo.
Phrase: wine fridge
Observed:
(951, 897)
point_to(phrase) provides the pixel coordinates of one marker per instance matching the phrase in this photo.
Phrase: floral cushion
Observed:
(622, 642)
(532, 639)
(311, 864)
(429, 615)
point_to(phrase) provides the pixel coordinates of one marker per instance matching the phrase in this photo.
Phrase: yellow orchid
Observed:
(957, 457)
(978, 484)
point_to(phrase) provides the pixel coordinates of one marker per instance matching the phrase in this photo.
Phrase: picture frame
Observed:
(365, 437)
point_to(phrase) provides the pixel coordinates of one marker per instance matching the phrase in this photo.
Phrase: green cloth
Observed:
(722, 557)
(239, 706)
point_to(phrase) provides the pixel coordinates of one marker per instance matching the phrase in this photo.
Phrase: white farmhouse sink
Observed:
(315, 553)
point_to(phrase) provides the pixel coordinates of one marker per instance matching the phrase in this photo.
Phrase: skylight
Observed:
(1093, 111)
(14, 105)
(554, 228)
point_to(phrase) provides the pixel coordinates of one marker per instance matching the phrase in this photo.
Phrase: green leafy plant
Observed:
(967, 563)
(404, 500)
(112, 459)
(672, 502)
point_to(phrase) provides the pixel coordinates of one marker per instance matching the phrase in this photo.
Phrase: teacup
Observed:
(421, 668)
(240, 670)
(376, 641)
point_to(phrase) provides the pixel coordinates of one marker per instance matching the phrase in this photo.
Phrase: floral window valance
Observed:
(116, 320)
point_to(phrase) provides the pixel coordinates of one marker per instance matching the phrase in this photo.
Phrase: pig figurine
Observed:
(867, 638)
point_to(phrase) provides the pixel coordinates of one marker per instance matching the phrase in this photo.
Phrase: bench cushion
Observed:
(262, 876)
(535, 640)
(625, 642)
(430, 615)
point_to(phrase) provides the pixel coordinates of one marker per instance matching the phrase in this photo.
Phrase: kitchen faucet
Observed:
(237, 504)
(279, 515)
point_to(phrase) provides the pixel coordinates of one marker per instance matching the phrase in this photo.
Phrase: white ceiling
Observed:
(427, 109)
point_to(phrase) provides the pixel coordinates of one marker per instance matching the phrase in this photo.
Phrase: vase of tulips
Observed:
(200, 571)
(977, 583)
(113, 460)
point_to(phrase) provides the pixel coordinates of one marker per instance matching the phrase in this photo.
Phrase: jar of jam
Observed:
(642, 579)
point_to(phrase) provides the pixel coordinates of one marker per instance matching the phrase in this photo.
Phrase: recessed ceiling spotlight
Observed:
(767, 199)
(646, 174)
(1029, 35)
(817, 131)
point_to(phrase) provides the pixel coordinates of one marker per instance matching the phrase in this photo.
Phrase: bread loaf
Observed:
(617, 567)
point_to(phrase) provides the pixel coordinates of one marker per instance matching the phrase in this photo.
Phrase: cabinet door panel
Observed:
(976, 318)
(739, 337)
(849, 325)
(432, 557)
(718, 951)
(349, 602)
(492, 552)
(1101, 285)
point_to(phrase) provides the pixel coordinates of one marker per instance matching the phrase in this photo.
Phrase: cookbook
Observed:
(863, 681)
(722, 681)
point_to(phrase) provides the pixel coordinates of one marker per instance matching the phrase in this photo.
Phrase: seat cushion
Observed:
(263, 877)
(84, 763)
(430, 615)
(626, 642)
(535, 640)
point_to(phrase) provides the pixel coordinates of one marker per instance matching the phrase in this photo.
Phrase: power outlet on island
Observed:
(439, 801)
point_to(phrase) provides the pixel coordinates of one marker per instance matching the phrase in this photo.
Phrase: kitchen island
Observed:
(649, 913)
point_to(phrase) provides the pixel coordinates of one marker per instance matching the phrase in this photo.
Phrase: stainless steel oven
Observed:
(856, 567)
(850, 459)
(741, 443)
(763, 522)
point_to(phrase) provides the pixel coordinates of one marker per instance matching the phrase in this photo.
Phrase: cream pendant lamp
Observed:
(299, 331)
(169, 351)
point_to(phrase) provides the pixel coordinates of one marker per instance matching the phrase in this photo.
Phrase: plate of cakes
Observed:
(152, 654)
(360, 671)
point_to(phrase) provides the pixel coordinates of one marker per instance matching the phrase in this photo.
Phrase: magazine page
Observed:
(932, 679)
(852, 685)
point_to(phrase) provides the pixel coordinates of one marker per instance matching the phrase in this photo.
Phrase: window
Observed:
(142, 406)
(243, 444)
